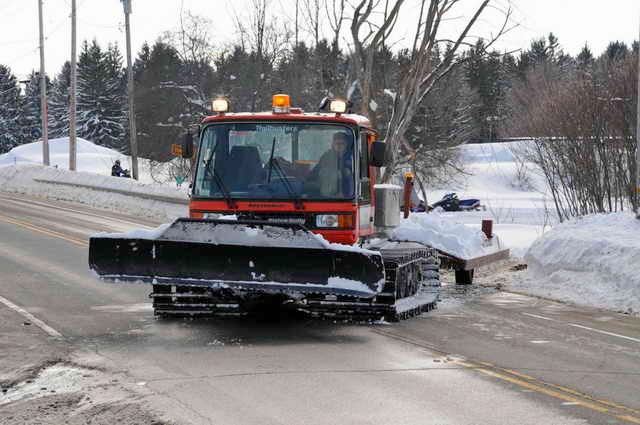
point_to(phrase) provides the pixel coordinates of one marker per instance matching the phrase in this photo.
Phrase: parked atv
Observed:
(450, 202)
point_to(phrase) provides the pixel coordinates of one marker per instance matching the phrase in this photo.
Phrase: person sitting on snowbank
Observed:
(117, 170)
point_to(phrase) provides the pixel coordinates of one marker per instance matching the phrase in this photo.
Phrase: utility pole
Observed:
(638, 135)
(43, 94)
(72, 100)
(132, 117)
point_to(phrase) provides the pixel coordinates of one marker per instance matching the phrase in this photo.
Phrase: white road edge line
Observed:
(604, 332)
(39, 323)
(540, 317)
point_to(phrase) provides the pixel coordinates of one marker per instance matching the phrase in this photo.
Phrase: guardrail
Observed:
(168, 199)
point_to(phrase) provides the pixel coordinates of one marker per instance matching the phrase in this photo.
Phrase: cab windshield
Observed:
(276, 161)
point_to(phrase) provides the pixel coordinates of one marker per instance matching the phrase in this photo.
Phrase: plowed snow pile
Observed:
(593, 261)
(442, 233)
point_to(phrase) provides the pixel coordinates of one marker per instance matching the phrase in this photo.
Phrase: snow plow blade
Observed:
(250, 256)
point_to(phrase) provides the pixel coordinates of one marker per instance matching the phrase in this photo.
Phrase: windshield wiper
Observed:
(223, 188)
(287, 185)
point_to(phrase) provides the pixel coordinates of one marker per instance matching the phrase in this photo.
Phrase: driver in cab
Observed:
(332, 177)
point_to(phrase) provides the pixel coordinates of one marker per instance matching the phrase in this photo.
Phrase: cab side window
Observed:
(365, 192)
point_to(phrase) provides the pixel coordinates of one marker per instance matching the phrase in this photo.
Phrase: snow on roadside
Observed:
(591, 261)
(22, 179)
(89, 157)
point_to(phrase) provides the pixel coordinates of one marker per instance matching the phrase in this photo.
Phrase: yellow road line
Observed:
(44, 231)
(629, 418)
(529, 382)
(534, 387)
(571, 391)
(560, 392)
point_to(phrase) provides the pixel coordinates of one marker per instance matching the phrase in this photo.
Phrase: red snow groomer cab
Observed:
(284, 211)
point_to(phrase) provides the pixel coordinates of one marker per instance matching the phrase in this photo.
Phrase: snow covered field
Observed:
(519, 207)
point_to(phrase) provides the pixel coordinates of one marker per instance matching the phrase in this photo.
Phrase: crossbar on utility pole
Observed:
(43, 93)
(72, 90)
(132, 116)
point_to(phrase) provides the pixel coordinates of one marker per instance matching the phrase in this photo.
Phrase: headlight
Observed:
(211, 216)
(220, 105)
(327, 220)
(338, 106)
(335, 221)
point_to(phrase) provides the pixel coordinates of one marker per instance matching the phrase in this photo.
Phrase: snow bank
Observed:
(444, 234)
(593, 261)
(90, 157)
(24, 179)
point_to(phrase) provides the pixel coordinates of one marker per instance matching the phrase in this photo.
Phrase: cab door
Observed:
(365, 209)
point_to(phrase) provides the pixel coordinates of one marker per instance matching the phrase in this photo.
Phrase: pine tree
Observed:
(59, 102)
(30, 118)
(585, 59)
(101, 97)
(9, 112)
(485, 76)
(161, 105)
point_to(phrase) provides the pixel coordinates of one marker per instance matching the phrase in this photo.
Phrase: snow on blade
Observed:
(591, 261)
(236, 234)
(239, 234)
(136, 234)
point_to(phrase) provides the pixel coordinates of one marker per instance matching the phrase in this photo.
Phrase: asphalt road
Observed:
(484, 357)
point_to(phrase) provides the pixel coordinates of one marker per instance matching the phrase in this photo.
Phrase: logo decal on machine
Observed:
(265, 205)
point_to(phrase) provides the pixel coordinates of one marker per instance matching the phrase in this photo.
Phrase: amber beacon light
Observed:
(281, 103)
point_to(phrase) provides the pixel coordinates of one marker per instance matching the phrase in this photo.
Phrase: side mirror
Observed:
(187, 145)
(378, 154)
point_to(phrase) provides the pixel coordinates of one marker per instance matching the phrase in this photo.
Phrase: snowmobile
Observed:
(450, 202)
(284, 211)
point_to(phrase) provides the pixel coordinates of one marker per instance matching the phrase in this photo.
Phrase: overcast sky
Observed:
(575, 22)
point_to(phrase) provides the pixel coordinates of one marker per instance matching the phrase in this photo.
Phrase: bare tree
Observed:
(424, 73)
(266, 42)
(193, 39)
(312, 14)
(335, 11)
(583, 126)
(368, 38)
